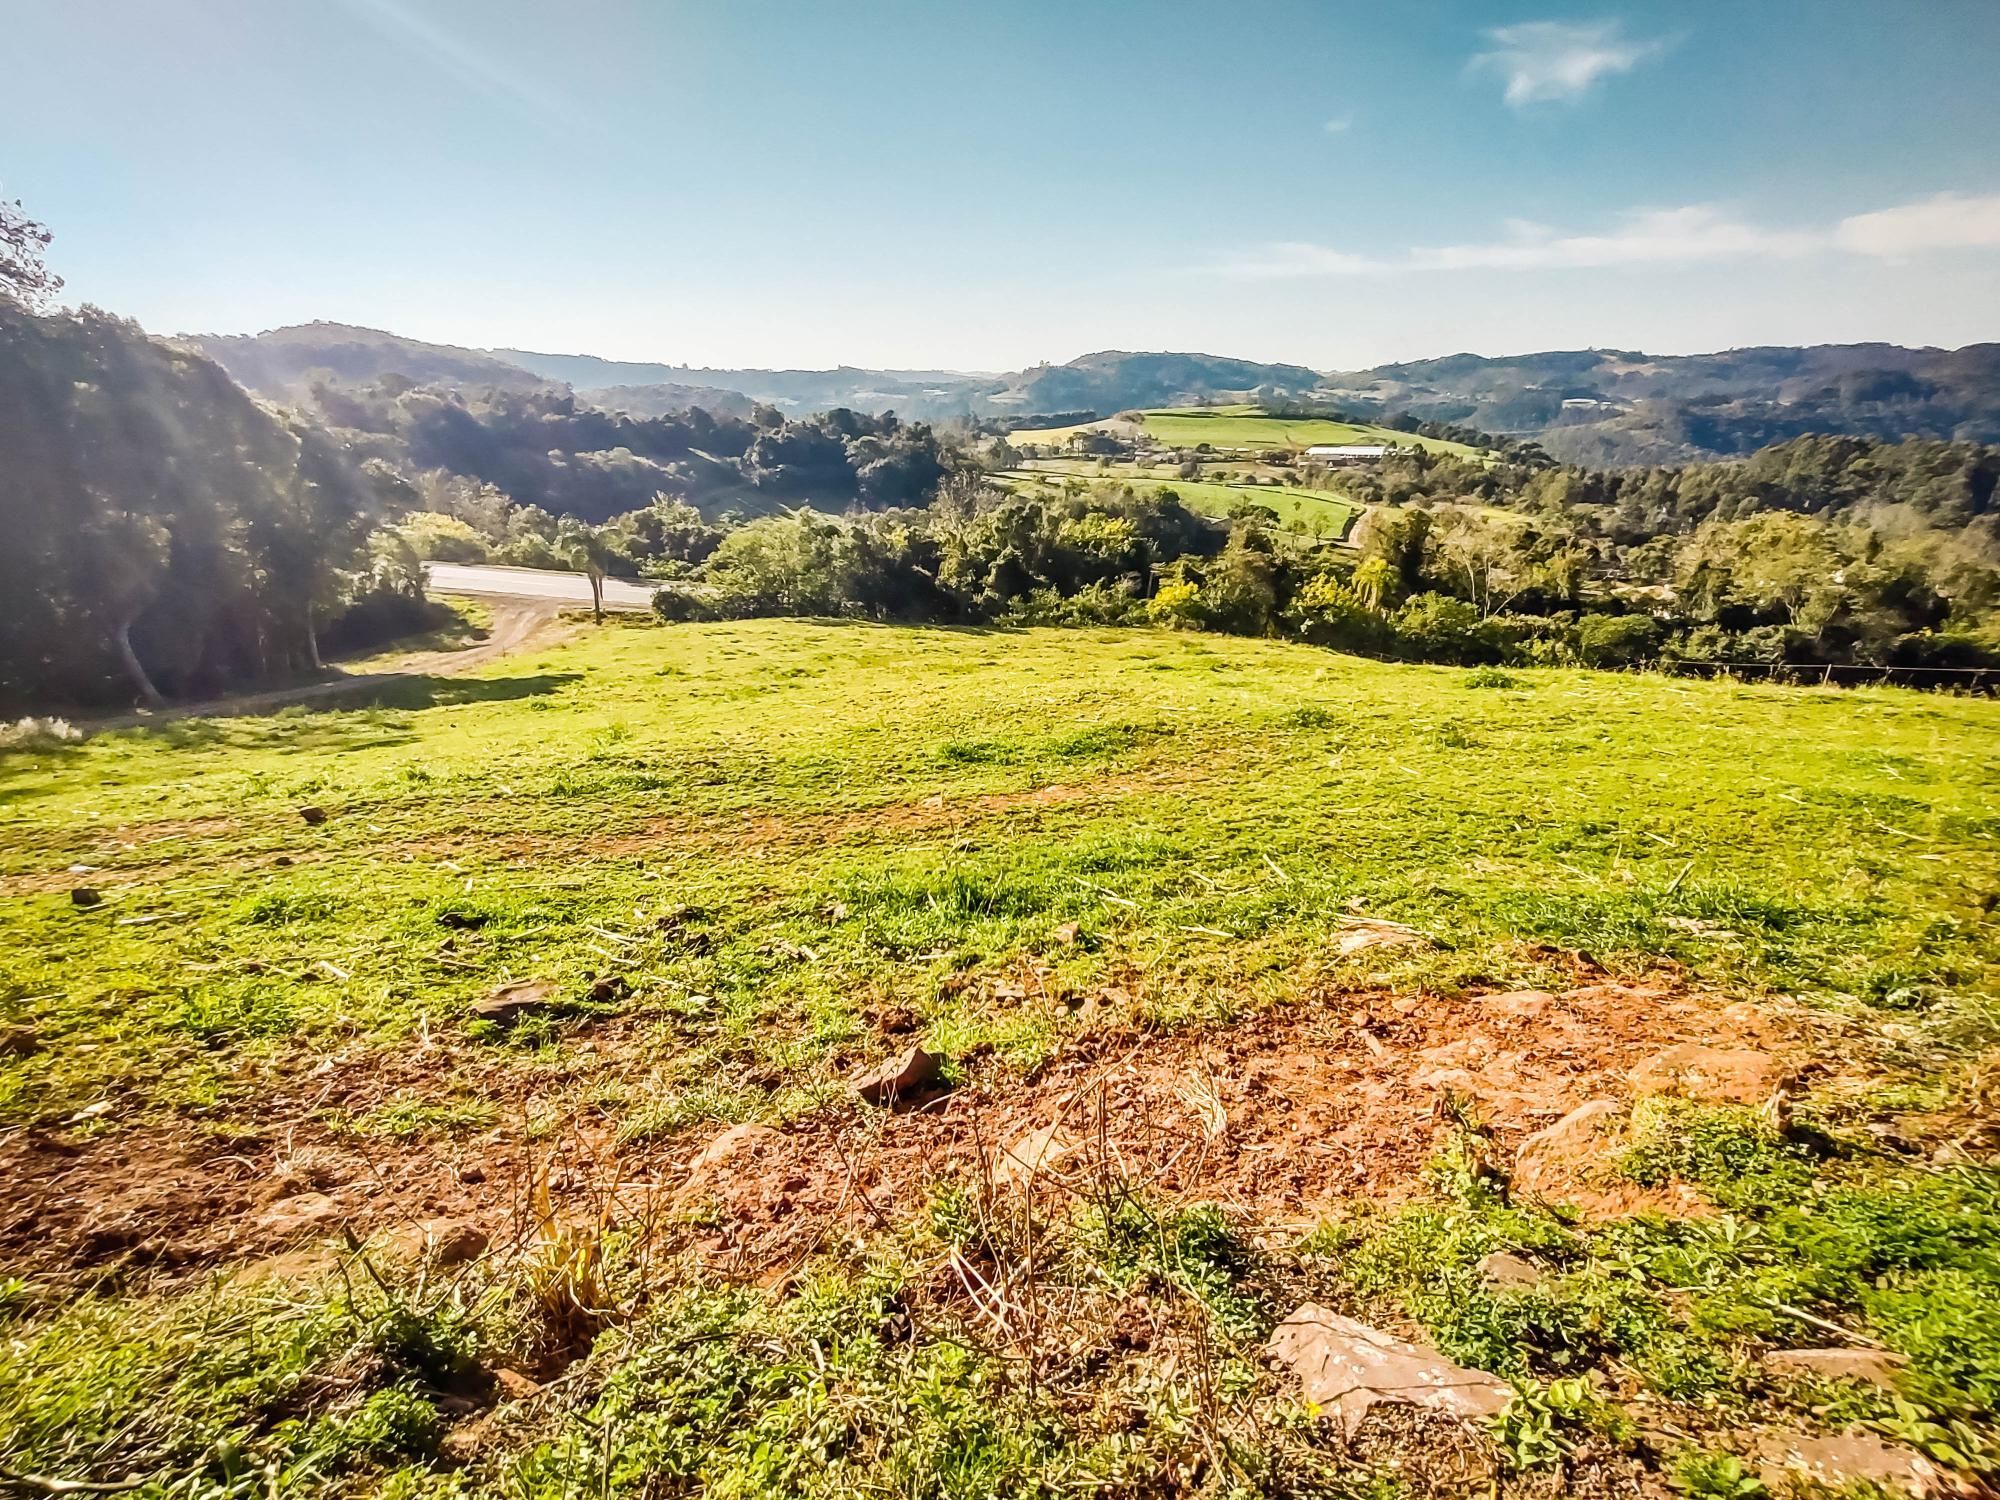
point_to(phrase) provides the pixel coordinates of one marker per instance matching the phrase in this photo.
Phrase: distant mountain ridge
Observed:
(276, 361)
(1606, 407)
(1619, 407)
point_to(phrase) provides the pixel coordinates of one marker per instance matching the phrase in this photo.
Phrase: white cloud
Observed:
(1653, 237)
(1649, 237)
(1339, 124)
(1557, 61)
(1947, 222)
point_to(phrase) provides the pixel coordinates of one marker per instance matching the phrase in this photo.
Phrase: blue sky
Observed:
(939, 183)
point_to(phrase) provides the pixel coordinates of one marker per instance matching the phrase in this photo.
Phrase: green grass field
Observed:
(1248, 428)
(1319, 513)
(797, 847)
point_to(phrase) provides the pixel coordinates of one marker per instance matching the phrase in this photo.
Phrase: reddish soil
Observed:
(489, 833)
(1280, 1118)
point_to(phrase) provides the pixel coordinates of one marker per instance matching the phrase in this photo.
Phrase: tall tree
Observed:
(589, 551)
(24, 272)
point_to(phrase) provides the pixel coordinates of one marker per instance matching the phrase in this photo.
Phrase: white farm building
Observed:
(1345, 455)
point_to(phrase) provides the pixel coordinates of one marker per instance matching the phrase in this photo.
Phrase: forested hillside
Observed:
(1620, 408)
(556, 452)
(166, 533)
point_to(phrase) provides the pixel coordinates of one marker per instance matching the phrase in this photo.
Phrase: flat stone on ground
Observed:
(1844, 1460)
(1875, 1366)
(1346, 1367)
(908, 1072)
(509, 1002)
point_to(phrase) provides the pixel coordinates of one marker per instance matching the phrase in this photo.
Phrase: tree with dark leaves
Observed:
(24, 272)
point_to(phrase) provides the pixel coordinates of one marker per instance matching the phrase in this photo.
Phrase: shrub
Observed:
(1329, 612)
(1176, 603)
(1615, 640)
(1102, 603)
(679, 606)
(1438, 627)
(440, 538)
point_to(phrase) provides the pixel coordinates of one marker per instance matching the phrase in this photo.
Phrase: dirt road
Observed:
(516, 622)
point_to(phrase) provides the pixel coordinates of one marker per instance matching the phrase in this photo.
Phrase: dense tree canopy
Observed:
(165, 532)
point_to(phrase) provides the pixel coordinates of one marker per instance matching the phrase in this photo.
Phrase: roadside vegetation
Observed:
(1200, 931)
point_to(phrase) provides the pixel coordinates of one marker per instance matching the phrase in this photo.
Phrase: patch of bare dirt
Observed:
(488, 832)
(1281, 1118)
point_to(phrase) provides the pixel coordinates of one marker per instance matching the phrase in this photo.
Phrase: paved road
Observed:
(534, 583)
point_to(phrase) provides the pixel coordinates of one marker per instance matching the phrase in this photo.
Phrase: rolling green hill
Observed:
(1321, 514)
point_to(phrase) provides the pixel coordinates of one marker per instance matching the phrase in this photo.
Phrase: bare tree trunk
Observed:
(312, 643)
(597, 597)
(134, 668)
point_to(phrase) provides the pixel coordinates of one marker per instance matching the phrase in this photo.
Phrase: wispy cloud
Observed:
(1653, 237)
(1340, 124)
(1648, 237)
(404, 25)
(1947, 221)
(1558, 61)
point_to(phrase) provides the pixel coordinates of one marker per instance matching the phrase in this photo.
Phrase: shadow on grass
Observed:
(360, 715)
(447, 692)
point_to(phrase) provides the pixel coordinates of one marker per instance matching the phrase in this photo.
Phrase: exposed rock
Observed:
(298, 1214)
(1346, 1367)
(1358, 933)
(1556, 1157)
(1503, 1268)
(85, 896)
(1034, 1155)
(444, 1242)
(1875, 1366)
(907, 1073)
(507, 1004)
(1847, 1459)
(1068, 932)
(314, 816)
(735, 1141)
(1713, 1075)
(19, 1041)
(513, 1385)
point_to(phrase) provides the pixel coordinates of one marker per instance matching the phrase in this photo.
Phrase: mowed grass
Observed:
(1248, 427)
(810, 819)
(1328, 515)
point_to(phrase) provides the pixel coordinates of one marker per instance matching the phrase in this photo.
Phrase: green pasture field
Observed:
(775, 834)
(1333, 514)
(1247, 427)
